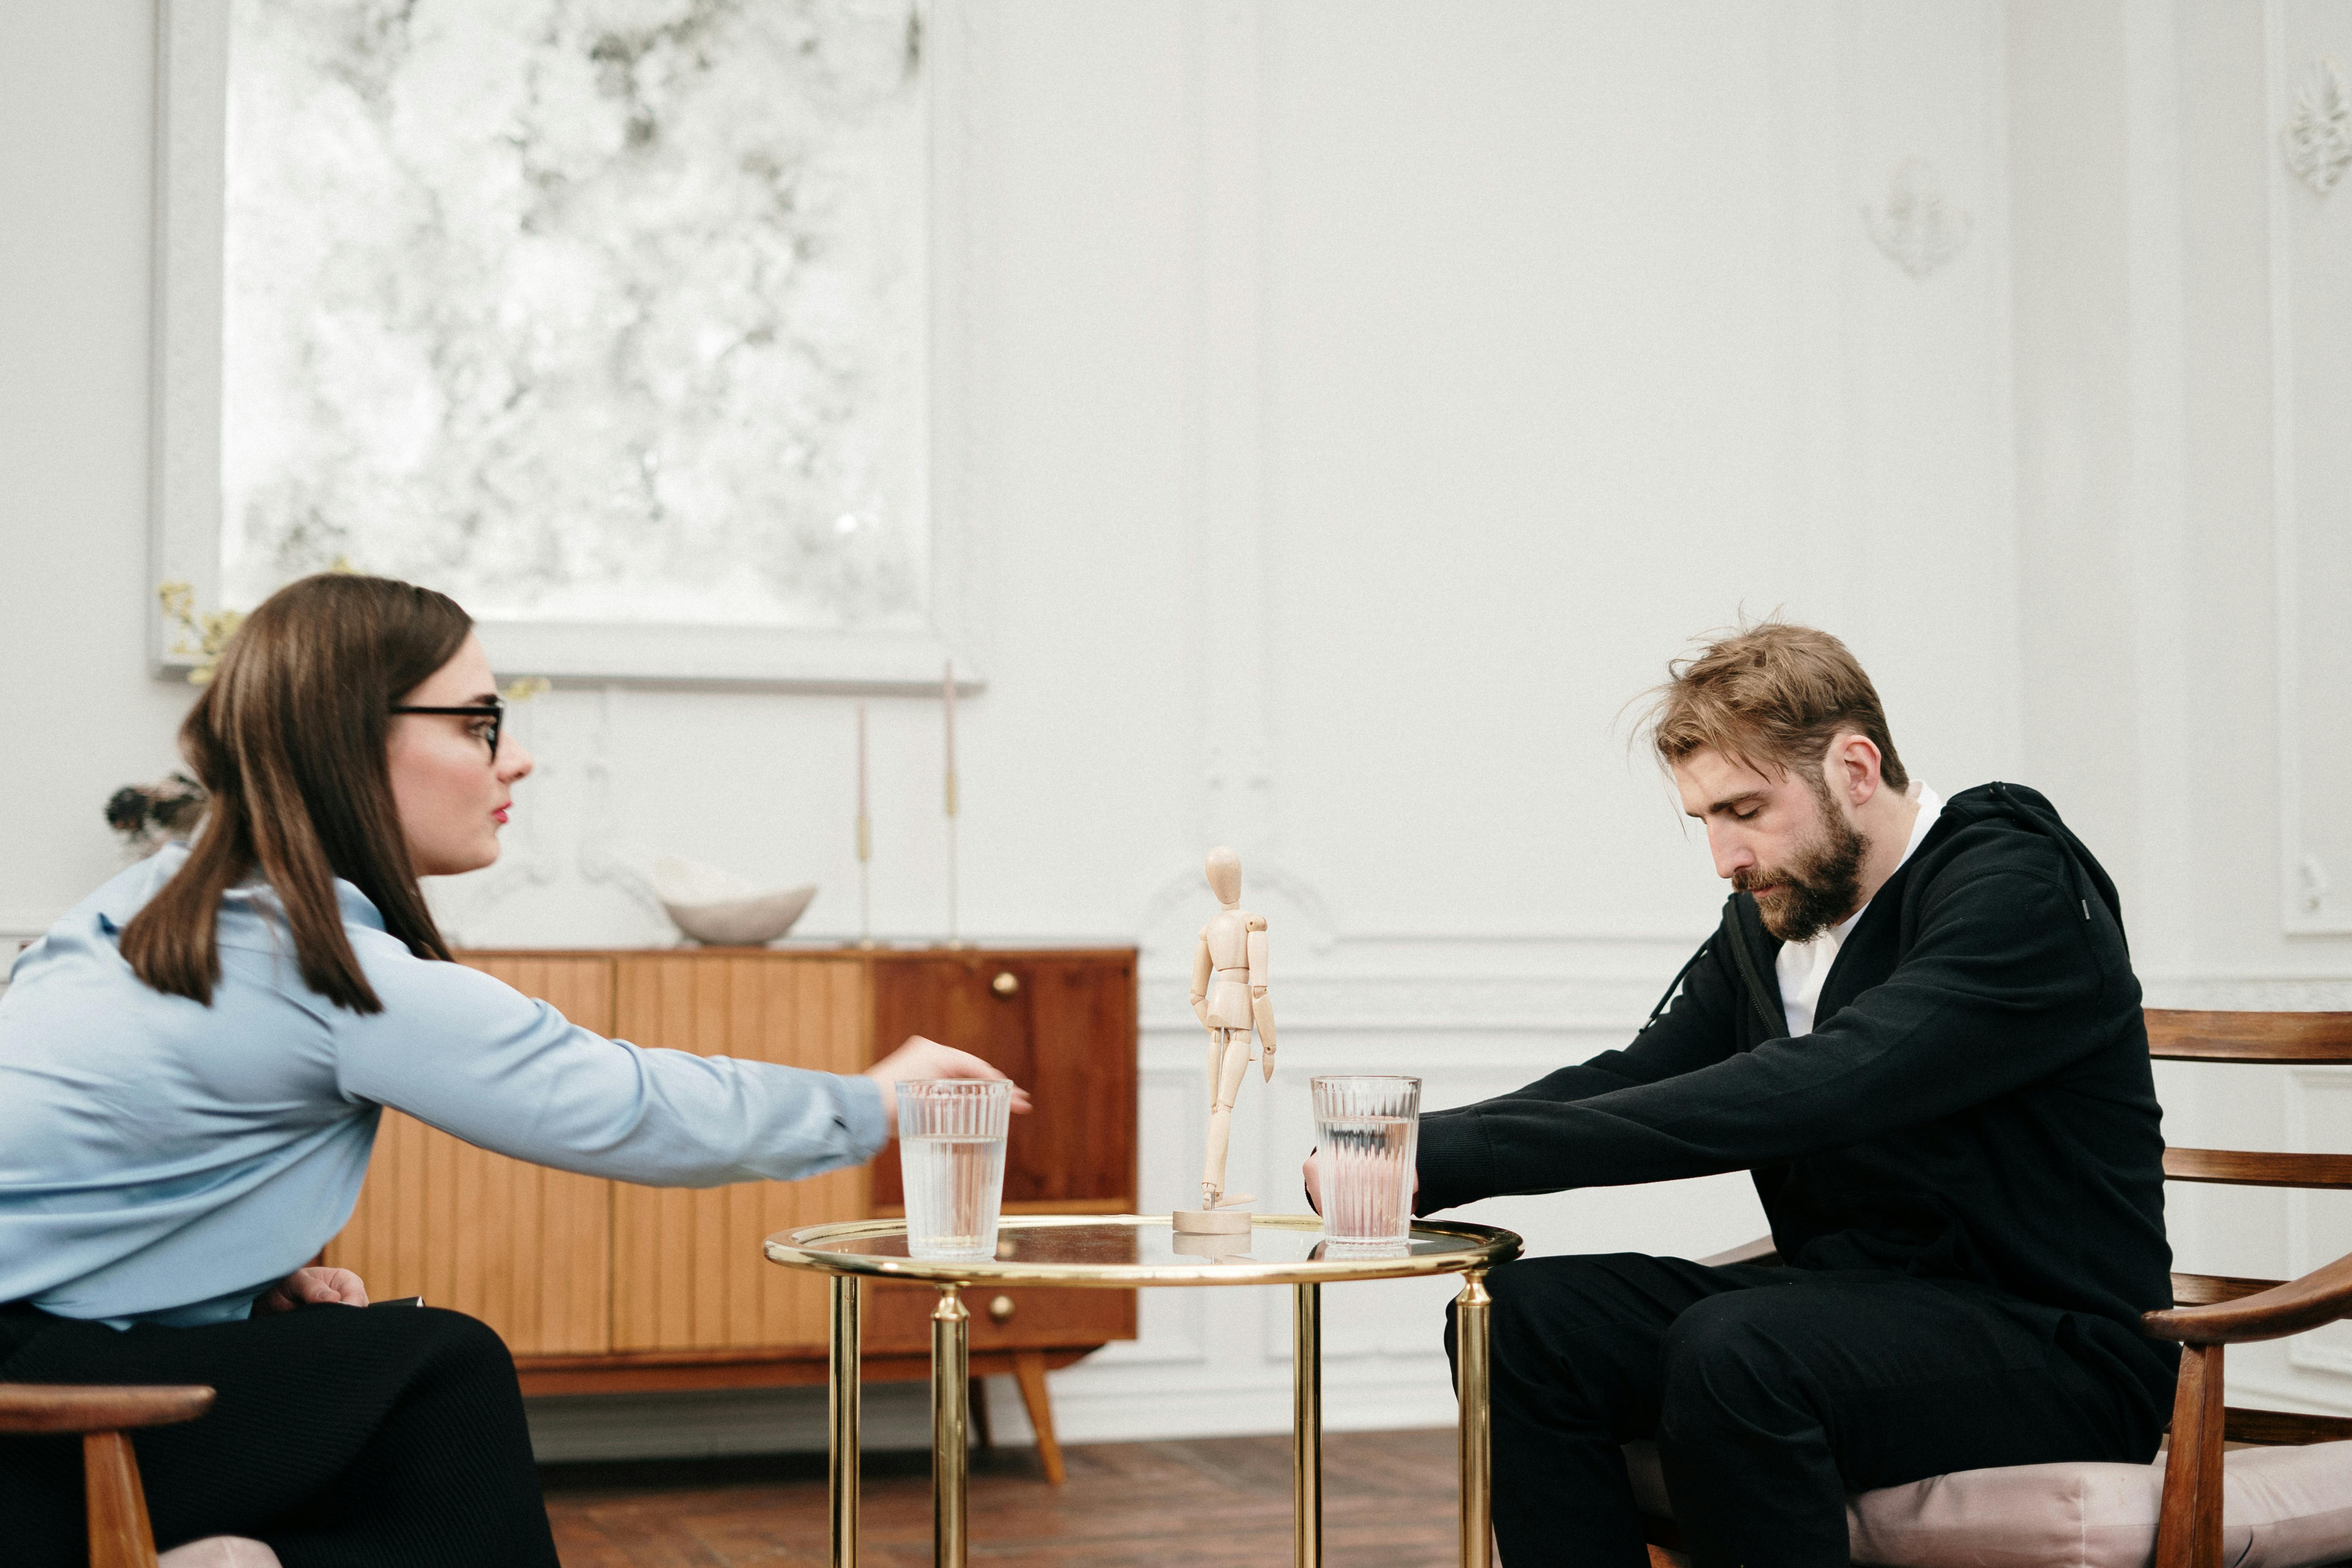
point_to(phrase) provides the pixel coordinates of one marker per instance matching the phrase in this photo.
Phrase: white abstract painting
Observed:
(580, 310)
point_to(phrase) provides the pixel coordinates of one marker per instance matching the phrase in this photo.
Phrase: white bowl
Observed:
(720, 908)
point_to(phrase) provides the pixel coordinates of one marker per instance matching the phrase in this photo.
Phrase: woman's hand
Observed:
(337, 1287)
(921, 1058)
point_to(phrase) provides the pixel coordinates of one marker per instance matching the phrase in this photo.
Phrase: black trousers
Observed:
(344, 1436)
(1772, 1394)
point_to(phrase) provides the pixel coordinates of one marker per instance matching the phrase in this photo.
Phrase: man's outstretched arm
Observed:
(2006, 984)
(1696, 1030)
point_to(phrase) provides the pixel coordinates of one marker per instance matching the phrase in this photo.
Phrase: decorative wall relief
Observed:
(2317, 139)
(1916, 228)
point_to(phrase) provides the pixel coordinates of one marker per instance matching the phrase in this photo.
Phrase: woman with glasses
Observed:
(193, 1063)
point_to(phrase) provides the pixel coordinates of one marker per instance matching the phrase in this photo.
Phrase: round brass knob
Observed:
(1000, 1310)
(1005, 984)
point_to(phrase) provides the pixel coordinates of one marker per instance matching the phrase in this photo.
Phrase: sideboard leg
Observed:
(950, 1385)
(843, 1391)
(1477, 1456)
(1306, 1425)
(1029, 1369)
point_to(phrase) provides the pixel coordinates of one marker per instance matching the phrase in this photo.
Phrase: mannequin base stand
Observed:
(1210, 1222)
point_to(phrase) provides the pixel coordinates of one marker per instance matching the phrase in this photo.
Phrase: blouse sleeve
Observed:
(475, 1057)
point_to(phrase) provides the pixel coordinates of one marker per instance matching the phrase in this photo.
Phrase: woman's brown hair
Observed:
(289, 741)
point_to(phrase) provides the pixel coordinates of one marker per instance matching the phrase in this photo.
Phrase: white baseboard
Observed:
(1225, 1412)
(710, 1423)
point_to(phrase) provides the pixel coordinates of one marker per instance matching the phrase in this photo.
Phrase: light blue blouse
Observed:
(166, 1161)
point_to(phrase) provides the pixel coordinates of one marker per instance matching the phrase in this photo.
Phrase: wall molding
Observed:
(1430, 1004)
(2251, 992)
(183, 496)
(2309, 903)
(2302, 879)
(2328, 1349)
(1225, 409)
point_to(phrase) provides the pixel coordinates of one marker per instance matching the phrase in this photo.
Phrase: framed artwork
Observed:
(621, 325)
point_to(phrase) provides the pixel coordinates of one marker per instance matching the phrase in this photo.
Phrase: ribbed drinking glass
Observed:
(1368, 1130)
(952, 1157)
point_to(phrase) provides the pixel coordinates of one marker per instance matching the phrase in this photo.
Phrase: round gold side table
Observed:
(1116, 1251)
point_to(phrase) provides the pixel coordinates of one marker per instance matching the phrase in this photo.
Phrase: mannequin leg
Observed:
(1221, 1115)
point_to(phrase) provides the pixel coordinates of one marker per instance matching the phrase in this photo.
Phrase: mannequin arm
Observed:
(1201, 967)
(1261, 1005)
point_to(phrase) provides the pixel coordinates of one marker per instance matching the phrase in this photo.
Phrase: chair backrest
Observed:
(2303, 1039)
(114, 1500)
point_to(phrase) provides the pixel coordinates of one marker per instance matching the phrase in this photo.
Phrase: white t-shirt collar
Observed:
(1803, 966)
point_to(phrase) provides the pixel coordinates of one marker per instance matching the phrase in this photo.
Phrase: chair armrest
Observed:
(2320, 1297)
(93, 1407)
(1759, 1250)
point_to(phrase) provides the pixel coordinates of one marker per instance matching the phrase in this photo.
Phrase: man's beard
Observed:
(1821, 888)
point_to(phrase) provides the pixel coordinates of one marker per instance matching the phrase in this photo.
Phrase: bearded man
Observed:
(1917, 1027)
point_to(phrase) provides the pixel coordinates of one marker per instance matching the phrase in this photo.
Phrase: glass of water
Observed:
(1368, 1128)
(952, 1158)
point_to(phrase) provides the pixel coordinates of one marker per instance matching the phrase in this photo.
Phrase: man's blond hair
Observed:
(1772, 696)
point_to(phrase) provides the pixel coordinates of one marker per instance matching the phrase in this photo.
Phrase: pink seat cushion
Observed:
(219, 1551)
(2282, 1507)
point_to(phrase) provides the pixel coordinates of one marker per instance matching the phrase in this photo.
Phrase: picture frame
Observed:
(192, 58)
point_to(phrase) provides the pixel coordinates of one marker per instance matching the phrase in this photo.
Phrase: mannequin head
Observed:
(1225, 876)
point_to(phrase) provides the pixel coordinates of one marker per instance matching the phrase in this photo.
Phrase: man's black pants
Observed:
(344, 1436)
(1772, 1394)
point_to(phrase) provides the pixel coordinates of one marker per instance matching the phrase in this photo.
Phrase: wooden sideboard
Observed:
(600, 1286)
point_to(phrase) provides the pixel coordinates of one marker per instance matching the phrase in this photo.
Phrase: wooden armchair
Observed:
(2299, 1512)
(119, 1533)
(2210, 1311)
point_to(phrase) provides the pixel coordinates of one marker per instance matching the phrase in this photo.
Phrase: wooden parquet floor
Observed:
(1388, 1500)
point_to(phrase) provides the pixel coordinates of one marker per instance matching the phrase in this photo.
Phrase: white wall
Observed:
(1372, 396)
(76, 710)
(2181, 384)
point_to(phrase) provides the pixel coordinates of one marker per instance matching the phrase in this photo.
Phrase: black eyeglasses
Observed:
(495, 710)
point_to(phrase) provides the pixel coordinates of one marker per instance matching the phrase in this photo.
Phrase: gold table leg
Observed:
(841, 1399)
(1477, 1453)
(1306, 1425)
(950, 1386)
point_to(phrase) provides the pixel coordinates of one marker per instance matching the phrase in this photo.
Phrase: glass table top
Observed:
(1144, 1249)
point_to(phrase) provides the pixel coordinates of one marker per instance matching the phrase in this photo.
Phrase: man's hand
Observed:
(921, 1058)
(1312, 1174)
(337, 1287)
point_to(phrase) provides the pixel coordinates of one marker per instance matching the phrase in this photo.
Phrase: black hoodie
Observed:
(1973, 1105)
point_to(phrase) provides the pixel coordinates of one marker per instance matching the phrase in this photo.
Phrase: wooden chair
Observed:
(2210, 1312)
(118, 1533)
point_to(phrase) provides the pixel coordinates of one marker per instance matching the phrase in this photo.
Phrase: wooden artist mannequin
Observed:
(1229, 998)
